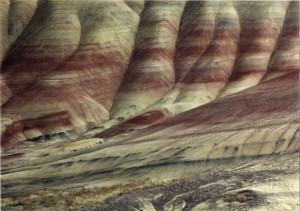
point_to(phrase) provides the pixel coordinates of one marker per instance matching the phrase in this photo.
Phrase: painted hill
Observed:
(192, 104)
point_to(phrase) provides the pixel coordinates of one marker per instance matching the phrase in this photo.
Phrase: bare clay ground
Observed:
(263, 184)
(237, 188)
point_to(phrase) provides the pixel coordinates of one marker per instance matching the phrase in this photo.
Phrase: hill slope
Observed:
(192, 104)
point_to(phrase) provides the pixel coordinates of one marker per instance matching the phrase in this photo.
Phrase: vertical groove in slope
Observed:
(195, 34)
(286, 54)
(150, 72)
(136, 5)
(210, 73)
(261, 27)
(20, 15)
(4, 16)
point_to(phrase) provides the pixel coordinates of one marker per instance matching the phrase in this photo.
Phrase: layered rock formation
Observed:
(77, 85)
(225, 61)
(104, 97)
(15, 15)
